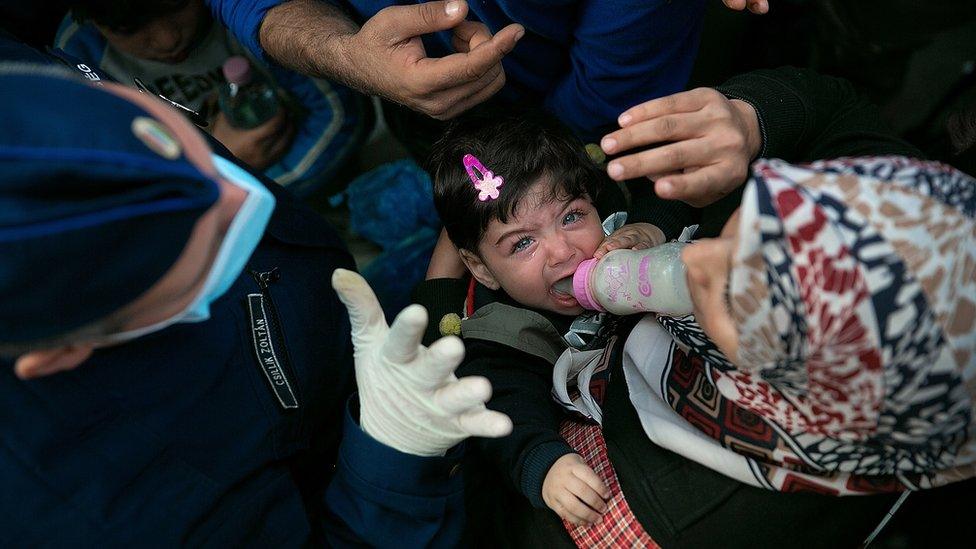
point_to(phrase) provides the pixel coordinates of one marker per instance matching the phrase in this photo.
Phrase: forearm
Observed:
(375, 484)
(808, 116)
(311, 37)
(534, 466)
(445, 262)
(755, 132)
(243, 18)
(529, 452)
(522, 389)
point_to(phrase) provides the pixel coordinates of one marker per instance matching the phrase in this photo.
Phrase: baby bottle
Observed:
(247, 99)
(625, 282)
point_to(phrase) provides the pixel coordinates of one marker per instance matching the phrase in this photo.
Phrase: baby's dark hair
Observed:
(520, 147)
(123, 16)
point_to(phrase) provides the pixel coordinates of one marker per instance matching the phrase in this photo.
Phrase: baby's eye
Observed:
(521, 244)
(572, 217)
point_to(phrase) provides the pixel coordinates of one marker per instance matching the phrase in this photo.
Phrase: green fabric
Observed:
(517, 328)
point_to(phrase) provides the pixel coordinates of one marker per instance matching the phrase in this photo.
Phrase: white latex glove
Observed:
(409, 397)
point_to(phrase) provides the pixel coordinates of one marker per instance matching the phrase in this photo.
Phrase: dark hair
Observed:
(522, 148)
(123, 16)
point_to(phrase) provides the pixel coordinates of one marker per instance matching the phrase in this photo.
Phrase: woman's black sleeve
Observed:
(806, 116)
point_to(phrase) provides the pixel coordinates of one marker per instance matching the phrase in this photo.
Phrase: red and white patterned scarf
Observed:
(853, 287)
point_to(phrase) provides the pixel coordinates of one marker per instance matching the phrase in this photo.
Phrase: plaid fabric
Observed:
(619, 527)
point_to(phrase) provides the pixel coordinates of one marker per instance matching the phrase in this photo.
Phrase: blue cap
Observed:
(97, 201)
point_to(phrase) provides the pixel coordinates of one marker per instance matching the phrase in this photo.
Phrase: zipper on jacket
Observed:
(268, 337)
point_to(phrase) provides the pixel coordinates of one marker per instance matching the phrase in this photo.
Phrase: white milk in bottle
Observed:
(625, 282)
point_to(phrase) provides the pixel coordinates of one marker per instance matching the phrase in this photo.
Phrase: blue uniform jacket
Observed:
(586, 61)
(181, 438)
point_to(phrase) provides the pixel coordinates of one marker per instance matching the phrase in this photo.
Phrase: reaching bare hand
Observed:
(390, 60)
(706, 144)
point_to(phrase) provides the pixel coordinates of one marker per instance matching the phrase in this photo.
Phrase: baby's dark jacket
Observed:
(515, 348)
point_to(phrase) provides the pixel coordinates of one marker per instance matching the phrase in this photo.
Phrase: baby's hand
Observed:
(574, 491)
(635, 236)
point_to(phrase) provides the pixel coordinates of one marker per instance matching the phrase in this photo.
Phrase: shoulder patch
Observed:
(156, 137)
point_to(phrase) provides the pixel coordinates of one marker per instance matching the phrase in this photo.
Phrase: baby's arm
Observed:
(574, 491)
(521, 387)
(635, 236)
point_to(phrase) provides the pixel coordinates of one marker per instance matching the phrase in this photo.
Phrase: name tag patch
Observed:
(267, 354)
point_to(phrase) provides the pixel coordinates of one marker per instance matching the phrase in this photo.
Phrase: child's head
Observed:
(543, 223)
(156, 30)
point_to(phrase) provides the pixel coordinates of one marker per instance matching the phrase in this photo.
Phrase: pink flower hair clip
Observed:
(484, 180)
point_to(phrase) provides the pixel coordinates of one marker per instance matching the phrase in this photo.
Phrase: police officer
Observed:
(177, 369)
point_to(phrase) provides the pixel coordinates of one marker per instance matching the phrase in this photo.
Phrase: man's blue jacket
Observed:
(586, 61)
(178, 438)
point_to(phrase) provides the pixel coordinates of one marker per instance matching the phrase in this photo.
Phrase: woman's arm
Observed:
(809, 116)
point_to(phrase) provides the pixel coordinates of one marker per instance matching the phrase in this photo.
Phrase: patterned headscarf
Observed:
(853, 288)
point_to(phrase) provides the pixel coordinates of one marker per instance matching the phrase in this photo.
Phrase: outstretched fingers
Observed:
(403, 341)
(660, 160)
(365, 313)
(468, 35)
(485, 423)
(687, 101)
(473, 94)
(397, 24)
(443, 357)
(664, 128)
(460, 68)
(698, 187)
(462, 395)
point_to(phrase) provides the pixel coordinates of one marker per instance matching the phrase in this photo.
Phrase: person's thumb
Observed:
(400, 23)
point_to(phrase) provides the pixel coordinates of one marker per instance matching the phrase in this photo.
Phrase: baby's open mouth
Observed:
(563, 286)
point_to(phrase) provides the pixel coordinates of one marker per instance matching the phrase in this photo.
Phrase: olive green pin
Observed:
(450, 324)
(596, 153)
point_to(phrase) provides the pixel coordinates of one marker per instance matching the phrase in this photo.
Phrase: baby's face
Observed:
(541, 244)
(166, 39)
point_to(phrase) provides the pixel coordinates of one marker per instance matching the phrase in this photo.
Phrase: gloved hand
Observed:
(409, 397)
